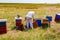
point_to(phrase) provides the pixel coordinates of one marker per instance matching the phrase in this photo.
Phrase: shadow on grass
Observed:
(57, 21)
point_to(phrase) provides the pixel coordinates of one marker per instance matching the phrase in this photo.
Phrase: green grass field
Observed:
(9, 12)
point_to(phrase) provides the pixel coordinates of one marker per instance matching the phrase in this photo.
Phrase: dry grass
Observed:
(36, 34)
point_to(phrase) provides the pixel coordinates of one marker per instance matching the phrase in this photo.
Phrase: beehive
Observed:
(38, 20)
(19, 24)
(57, 18)
(45, 23)
(35, 25)
(3, 26)
(49, 18)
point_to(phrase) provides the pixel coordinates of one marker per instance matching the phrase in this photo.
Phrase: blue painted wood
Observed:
(38, 22)
(57, 16)
(49, 18)
(2, 23)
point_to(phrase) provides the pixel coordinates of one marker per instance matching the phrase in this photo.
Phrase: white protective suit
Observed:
(29, 19)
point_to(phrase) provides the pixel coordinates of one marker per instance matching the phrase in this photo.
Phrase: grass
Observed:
(9, 13)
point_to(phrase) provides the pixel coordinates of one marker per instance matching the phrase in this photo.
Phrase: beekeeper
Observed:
(18, 17)
(29, 19)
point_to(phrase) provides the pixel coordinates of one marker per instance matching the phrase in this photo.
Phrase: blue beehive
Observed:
(38, 22)
(49, 18)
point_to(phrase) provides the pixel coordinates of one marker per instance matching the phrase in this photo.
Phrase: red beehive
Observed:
(57, 19)
(19, 24)
(3, 28)
(35, 25)
(21, 27)
(45, 20)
